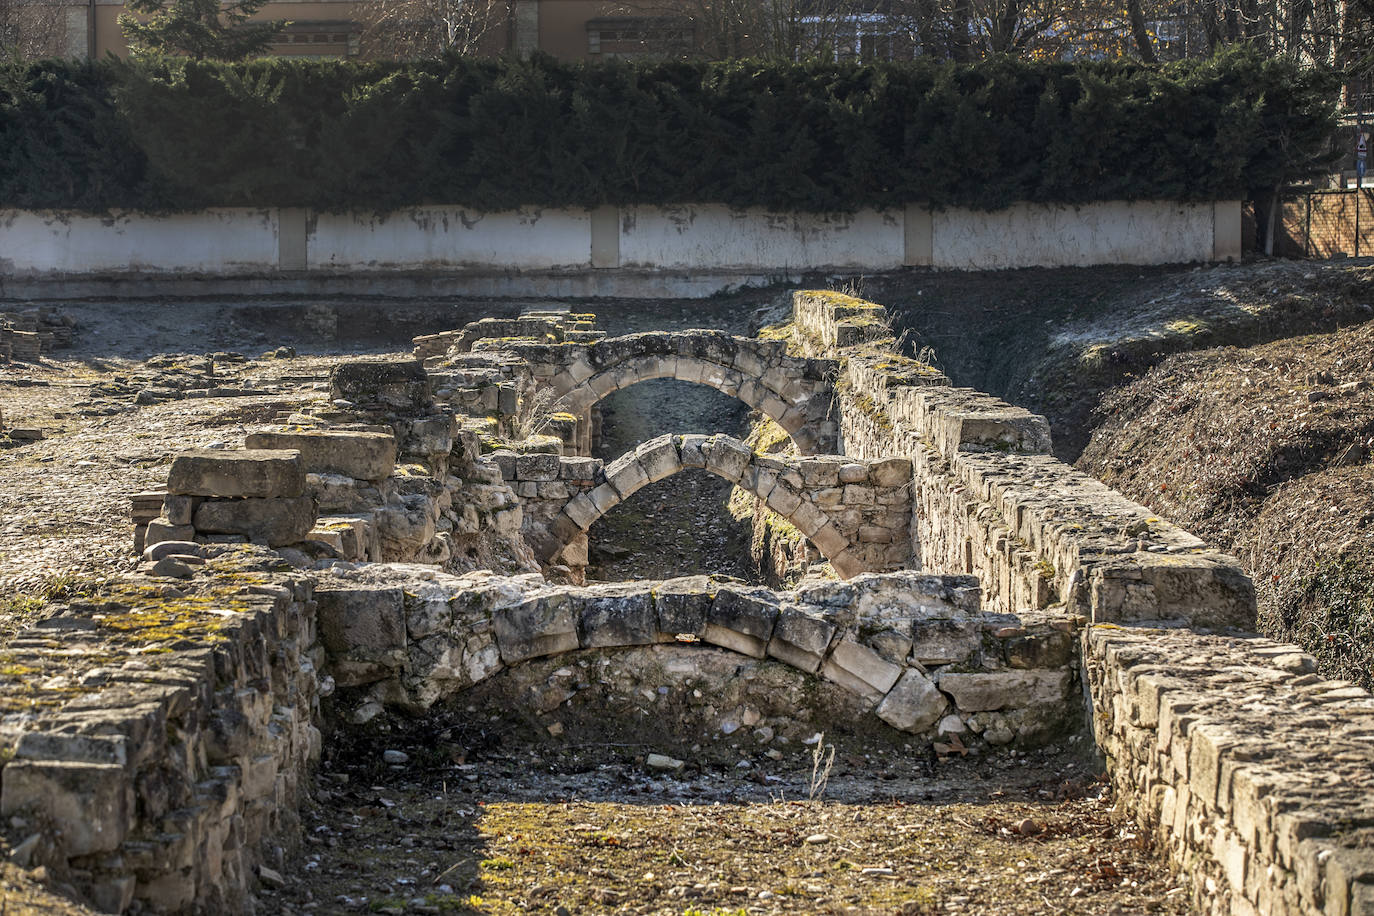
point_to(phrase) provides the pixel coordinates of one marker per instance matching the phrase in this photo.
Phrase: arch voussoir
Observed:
(857, 532)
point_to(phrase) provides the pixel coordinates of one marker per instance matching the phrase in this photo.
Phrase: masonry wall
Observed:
(915, 651)
(696, 237)
(156, 745)
(1254, 775)
(989, 499)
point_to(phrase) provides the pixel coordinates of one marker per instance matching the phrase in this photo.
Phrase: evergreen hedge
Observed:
(174, 134)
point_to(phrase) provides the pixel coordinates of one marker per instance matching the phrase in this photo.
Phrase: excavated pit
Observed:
(522, 744)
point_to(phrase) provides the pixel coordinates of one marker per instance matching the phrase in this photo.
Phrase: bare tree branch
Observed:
(411, 29)
(32, 29)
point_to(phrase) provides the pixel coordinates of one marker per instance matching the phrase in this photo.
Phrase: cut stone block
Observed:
(537, 467)
(1004, 689)
(177, 510)
(617, 616)
(690, 450)
(395, 385)
(914, 704)
(274, 522)
(104, 749)
(247, 473)
(682, 606)
(726, 457)
(540, 626)
(362, 455)
(940, 642)
(829, 541)
(801, 639)
(582, 511)
(362, 622)
(160, 530)
(659, 458)
(90, 804)
(626, 477)
(741, 620)
(858, 668)
(890, 472)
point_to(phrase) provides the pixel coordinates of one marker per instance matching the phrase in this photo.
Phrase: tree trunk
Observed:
(960, 44)
(1143, 42)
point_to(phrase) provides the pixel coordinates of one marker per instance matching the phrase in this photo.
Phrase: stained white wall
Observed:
(719, 237)
(229, 241)
(1041, 235)
(698, 238)
(447, 237)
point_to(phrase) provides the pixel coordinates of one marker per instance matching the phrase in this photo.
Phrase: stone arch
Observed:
(794, 393)
(727, 458)
(479, 624)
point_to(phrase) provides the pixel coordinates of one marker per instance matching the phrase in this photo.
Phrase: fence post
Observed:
(1307, 232)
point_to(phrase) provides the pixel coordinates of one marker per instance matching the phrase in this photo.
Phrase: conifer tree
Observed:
(199, 29)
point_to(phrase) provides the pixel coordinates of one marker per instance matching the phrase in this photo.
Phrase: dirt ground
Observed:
(1055, 341)
(1266, 452)
(506, 821)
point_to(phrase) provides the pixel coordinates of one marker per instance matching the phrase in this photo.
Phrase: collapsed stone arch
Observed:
(727, 458)
(793, 392)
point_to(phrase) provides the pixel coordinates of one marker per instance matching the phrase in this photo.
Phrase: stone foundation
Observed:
(914, 651)
(991, 501)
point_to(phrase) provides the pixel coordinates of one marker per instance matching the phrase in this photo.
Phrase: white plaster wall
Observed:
(718, 237)
(446, 237)
(227, 241)
(700, 238)
(1047, 235)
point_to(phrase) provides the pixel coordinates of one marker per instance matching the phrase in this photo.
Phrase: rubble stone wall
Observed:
(1253, 774)
(155, 740)
(991, 501)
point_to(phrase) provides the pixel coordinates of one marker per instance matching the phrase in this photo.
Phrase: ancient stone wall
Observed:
(990, 500)
(156, 739)
(795, 393)
(915, 650)
(856, 512)
(383, 474)
(1254, 775)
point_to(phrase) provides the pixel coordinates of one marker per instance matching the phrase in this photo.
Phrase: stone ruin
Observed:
(25, 336)
(424, 530)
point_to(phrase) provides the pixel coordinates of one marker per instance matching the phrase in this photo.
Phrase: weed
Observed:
(536, 413)
(499, 864)
(822, 759)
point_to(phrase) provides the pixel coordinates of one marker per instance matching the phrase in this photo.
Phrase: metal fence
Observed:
(1327, 224)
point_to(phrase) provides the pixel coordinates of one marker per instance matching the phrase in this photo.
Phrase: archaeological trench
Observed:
(963, 586)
